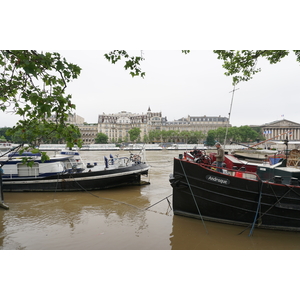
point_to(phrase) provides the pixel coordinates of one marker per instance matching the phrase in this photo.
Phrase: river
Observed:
(120, 219)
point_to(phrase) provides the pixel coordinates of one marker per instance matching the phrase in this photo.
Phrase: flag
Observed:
(282, 116)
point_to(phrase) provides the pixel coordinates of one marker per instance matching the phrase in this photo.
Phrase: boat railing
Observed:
(241, 173)
(116, 161)
(272, 178)
(200, 157)
(74, 163)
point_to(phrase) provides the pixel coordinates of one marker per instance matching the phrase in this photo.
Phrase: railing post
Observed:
(1, 192)
(2, 205)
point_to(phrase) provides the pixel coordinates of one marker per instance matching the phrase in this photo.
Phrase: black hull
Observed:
(94, 180)
(200, 192)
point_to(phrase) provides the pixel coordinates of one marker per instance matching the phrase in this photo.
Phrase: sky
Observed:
(178, 85)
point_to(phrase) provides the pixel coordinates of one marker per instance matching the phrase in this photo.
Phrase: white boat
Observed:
(253, 153)
(100, 147)
(65, 171)
(186, 147)
(52, 147)
(148, 147)
(6, 146)
(153, 147)
(132, 147)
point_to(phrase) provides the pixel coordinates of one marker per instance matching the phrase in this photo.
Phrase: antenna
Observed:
(229, 114)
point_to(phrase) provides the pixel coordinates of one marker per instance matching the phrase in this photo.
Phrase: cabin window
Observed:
(24, 170)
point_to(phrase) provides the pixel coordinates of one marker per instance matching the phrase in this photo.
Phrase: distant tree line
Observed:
(242, 134)
(174, 136)
(49, 136)
(3, 135)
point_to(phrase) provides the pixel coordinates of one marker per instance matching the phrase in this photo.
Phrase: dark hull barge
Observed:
(268, 196)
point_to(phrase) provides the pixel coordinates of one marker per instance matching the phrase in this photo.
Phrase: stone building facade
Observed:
(88, 133)
(116, 126)
(75, 119)
(72, 119)
(278, 130)
(198, 123)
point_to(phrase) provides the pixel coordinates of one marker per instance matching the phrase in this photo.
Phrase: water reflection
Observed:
(44, 220)
(191, 234)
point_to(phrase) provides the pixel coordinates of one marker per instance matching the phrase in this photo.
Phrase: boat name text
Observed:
(217, 179)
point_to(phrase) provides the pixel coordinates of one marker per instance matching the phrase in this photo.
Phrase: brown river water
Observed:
(117, 219)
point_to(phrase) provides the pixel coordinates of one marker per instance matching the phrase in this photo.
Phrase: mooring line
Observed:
(278, 200)
(136, 207)
(193, 196)
(257, 209)
(166, 198)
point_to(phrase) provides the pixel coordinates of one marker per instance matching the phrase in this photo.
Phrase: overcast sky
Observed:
(179, 85)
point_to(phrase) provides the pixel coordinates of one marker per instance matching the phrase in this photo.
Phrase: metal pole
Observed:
(2, 204)
(229, 114)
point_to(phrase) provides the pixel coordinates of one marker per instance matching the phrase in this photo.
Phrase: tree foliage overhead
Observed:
(33, 85)
(131, 62)
(242, 65)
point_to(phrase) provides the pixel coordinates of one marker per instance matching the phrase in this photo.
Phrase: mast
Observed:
(229, 114)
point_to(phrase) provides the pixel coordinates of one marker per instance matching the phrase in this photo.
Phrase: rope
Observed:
(278, 200)
(193, 196)
(15, 149)
(258, 206)
(166, 198)
(136, 207)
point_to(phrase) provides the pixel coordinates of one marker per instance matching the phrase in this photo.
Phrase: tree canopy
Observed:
(33, 86)
(101, 138)
(134, 133)
(190, 137)
(242, 65)
(244, 134)
(131, 62)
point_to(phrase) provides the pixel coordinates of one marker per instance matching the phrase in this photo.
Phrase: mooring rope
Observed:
(193, 196)
(257, 209)
(166, 198)
(15, 149)
(278, 200)
(125, 203)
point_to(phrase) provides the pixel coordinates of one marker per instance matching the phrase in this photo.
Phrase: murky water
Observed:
(118, 219)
